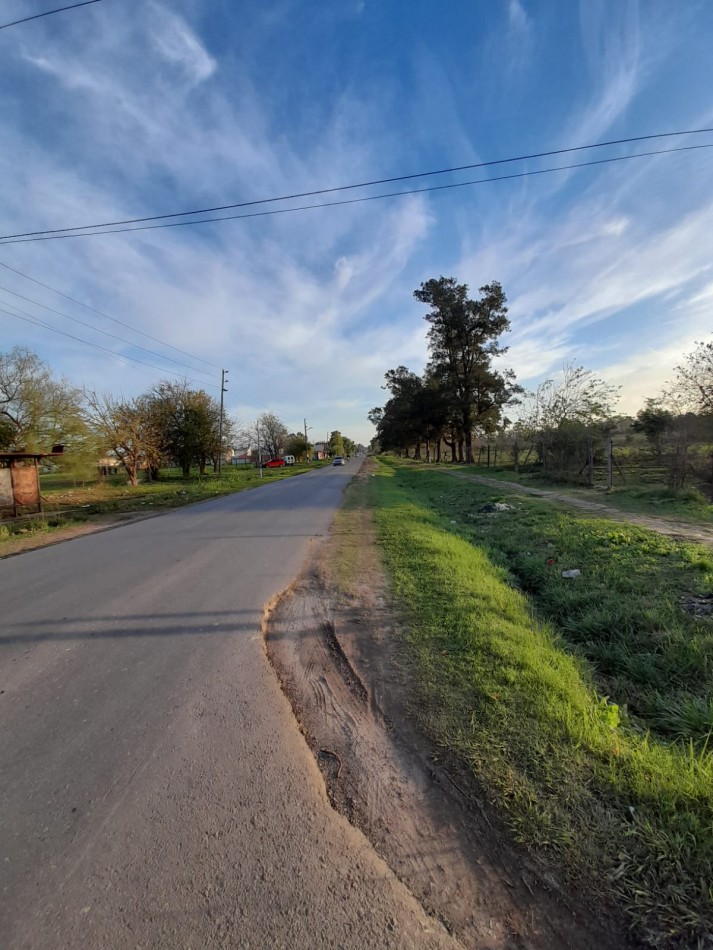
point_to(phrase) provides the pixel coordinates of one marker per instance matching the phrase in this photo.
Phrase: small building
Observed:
(20, 479)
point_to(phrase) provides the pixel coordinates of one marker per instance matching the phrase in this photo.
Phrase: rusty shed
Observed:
(20, 479)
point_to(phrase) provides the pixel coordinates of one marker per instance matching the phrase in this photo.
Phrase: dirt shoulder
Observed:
(337, 648)
(681, 530)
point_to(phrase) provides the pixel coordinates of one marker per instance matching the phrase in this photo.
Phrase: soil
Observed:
(680, 530)
(336, 649)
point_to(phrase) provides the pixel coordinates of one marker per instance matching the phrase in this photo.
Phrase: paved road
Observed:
(154, 788)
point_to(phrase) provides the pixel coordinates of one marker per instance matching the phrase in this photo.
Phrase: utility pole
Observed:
(223, 389)
(306, 442)
(259, 454)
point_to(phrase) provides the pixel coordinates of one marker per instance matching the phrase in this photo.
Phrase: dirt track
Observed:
(338, 657)
(680, 530)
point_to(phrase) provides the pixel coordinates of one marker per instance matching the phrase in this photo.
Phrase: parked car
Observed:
(275, 463)
(288, 459)
(338, 460)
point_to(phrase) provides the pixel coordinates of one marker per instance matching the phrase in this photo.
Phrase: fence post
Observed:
(610, 464)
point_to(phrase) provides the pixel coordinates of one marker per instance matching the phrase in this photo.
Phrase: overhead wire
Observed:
(47, 236)
(121, 356)
(38, 16)
(363, 184)
(91, 326)
(100, 313)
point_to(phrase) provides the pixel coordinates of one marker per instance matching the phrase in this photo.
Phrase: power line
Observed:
(91, 326)
(37, 16)
(96, 346)
(363, 184)
(352, 201)
(107, 317)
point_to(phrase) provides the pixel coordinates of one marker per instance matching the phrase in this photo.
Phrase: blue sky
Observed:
(126, 108)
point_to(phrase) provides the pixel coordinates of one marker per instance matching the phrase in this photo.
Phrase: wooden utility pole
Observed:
(259, 454)
(223, 389)
(306, 443)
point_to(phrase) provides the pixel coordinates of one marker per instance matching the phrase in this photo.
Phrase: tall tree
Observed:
(36, 409)
(463, 339)
(186, 424)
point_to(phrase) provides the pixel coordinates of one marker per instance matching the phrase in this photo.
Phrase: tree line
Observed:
(171, 423)
(465, 396)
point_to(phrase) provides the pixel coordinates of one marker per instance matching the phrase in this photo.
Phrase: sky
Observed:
(132, 108)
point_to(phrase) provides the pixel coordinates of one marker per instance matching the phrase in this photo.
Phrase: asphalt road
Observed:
(155, 790)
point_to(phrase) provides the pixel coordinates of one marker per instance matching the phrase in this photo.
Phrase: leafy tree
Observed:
(36, 410)
(463, 339)
(654, 422)
(186, 425)
(336, 443)
(296, 445)
(349, 446)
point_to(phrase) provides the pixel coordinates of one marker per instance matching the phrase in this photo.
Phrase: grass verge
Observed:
(690, 504)
(507, 663)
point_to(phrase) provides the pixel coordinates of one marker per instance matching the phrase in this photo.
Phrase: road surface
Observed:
(155, 790)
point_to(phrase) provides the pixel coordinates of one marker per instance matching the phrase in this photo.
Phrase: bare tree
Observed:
(273, 433)
(693, 383)
(126, 428)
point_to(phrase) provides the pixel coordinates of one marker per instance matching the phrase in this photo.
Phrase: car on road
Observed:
(338, 460)
(275, 463)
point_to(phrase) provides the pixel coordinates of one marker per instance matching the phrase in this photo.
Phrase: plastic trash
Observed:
(572, 573)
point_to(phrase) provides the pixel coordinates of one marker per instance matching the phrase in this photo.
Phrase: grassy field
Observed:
(66, 503)
(581, 706)
(687, 505)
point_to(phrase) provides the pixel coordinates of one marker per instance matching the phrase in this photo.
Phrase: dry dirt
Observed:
(679, 530)
(335, 645)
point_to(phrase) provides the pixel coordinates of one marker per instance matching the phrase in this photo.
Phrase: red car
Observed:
(274, 463)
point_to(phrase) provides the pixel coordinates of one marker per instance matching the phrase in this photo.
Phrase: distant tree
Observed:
(349, 445)
(463, 340)
(124, 427)
(273, 434)
(654, 422)
(336, 443)
(36, 409)
(296, 445)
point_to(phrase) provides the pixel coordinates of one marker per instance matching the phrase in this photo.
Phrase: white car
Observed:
(338, 460)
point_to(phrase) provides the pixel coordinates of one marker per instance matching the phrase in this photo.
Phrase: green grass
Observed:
(579, 706)
(690, 504)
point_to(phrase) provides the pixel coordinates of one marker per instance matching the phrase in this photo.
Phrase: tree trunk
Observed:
(186, 469)
(428, 451)
(131, 470)
(438, 450)
(201, 466)
(417, 451)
